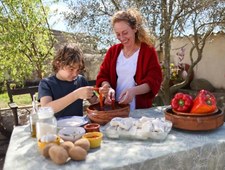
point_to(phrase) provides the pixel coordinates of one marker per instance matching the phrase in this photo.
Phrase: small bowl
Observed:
(41, 145)
(92, 127)
(71, 133)
(95, 139)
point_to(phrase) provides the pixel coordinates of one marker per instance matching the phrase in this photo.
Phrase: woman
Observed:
(131, 68)
(65, 90)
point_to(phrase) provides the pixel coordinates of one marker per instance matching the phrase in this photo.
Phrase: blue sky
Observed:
(56, 19)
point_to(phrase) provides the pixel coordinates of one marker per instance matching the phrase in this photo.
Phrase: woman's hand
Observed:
(110, 96)
(104, 90)
(126, 96)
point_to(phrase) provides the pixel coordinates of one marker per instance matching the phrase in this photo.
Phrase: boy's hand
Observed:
(85, 92)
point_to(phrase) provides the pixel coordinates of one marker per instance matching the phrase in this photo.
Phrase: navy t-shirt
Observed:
(56, 88)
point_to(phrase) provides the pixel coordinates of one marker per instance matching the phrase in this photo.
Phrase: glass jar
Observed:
(47, 123)
(33, 120)
(33, 116)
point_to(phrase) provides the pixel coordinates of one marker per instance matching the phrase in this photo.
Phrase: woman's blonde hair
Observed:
(135, 21)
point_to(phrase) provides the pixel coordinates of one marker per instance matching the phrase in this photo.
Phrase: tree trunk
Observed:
(165, 89)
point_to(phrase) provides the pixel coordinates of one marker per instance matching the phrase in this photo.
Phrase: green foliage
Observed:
(26, 40)
(4, 99)
(173, 71)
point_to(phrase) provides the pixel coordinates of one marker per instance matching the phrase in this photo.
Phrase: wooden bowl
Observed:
(105, 115)
(193, 122)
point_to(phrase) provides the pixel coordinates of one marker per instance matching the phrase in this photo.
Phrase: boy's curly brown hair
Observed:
(68, 56)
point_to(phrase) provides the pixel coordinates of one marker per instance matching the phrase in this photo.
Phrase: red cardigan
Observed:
(148, 71)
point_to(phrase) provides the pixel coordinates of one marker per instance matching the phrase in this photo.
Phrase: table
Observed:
(181, 150)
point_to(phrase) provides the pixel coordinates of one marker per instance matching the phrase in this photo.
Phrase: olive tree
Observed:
(26, 40)
(201, 18)
(202, 22)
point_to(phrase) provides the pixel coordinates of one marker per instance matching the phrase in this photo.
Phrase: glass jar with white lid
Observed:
(47, 123)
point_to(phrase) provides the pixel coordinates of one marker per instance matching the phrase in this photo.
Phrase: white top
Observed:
(126, 69)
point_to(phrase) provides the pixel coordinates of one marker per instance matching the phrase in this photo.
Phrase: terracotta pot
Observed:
(195, 123)
(92, 127)
(105, 115)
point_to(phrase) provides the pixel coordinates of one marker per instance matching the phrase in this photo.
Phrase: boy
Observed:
(65, 90)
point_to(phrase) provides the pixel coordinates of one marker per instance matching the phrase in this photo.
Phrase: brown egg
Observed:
(67, 145)
(45, 151)
(58, 154)
(84, 143)
(77, 153)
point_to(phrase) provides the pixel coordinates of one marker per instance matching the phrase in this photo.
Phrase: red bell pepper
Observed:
(205, 102)
(100, 97)
(182, 102)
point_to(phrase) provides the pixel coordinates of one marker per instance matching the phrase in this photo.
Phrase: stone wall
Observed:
(92, 64)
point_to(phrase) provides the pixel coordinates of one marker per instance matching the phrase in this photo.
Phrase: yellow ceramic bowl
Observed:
(95, 138)
(41, 145)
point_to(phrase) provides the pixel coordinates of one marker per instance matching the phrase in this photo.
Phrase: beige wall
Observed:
(212, 65)
(92, 64)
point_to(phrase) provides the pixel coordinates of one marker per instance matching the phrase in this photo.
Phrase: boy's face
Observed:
(69, 72)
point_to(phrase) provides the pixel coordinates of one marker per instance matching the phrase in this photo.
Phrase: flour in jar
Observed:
(47, 123)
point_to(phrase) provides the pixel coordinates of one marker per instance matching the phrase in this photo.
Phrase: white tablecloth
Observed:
(181, 150)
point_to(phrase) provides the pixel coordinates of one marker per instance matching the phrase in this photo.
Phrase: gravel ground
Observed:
(3, 148)
(6, 120)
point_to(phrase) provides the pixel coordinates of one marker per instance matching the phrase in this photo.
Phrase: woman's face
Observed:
(69, 72)
(124, 33)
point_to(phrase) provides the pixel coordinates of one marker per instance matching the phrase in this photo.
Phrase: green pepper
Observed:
(182, 102)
